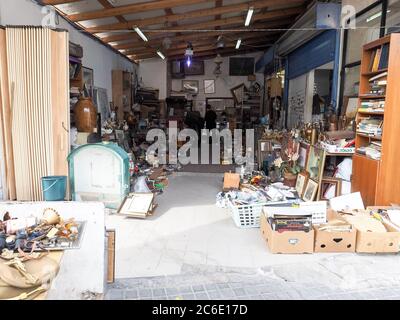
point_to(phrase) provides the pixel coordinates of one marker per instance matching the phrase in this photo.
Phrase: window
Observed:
(393, 16)
(368, 28)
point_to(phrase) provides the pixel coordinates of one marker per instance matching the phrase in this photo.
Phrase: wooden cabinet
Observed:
(122, 95)
(379, 180)
(365, 178)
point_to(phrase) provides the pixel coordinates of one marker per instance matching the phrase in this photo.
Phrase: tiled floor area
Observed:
(190, 246)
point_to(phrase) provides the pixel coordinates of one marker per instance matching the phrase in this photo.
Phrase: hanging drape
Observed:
(34, 84)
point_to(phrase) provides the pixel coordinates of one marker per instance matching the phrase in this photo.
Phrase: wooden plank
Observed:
(5, 117)
(108, 5)
(194, 14)
(110, 255)
(212, 53)
(255, 41)
(131, 8)
(389, 181)
(60, 101)
(364, 178)
(281, 23)
(56, 2)
(209, 41)
(218, 4)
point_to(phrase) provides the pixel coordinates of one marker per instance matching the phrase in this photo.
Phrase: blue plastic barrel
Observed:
(54, 188)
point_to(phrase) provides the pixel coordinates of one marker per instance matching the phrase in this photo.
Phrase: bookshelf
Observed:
(376, 163)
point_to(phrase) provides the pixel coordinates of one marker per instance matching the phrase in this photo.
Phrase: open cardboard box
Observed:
(326, 241)
(286, 242)
(378, 242)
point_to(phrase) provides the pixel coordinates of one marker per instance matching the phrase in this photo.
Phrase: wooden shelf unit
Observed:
(379, 180)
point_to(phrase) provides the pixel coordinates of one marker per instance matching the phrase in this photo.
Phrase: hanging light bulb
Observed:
(189, 54)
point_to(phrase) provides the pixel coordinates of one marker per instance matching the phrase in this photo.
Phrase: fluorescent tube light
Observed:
(160, 54)
(140, 33)
(376, 15)
(249, 15)
(238, 43)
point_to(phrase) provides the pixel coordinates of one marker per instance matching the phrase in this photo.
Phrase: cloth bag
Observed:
(35, 279)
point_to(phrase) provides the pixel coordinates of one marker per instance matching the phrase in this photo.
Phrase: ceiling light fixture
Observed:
(189, 54)
(238, 43)
(141, 34)
(376, 15)
(249, 15)
(160, 54)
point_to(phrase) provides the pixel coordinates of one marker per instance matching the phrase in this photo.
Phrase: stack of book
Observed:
(74, 94)
(282, 223)
(372, 106)
(370, 126)
(379, 58)
(373, 150)
(378, 84)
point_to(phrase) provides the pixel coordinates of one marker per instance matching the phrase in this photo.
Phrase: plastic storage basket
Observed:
(246, 216)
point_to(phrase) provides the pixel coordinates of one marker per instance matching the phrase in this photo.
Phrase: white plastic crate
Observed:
(246, 216)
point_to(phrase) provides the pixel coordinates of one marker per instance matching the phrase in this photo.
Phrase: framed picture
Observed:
(88, 80)
(196, 68)
(311, 190)
(209, 86)
(238, 93)
(190, 86)
(100, 99)
(304, 150)
(330, 188)
(301, 183)
(315, 163)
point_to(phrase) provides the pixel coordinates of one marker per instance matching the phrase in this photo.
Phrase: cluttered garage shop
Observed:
(199, 150)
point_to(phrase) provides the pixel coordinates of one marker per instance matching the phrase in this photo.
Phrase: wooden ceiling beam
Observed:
(194, 37)
(259, 4)
(218, 4)
(198, 50)
(234, 20)
(108, 5)
(131, 8)
(258, 25)
(56, 2)
(223, 52)
(230, 44)
(265, 36)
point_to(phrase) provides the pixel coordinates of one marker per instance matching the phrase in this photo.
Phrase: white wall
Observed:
(223, 83)
(95, 55)
(153, 73)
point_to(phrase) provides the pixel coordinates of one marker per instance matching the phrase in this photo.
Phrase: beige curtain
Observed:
(34, 81)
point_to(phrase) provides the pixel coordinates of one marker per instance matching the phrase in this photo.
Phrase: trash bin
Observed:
(54, 188)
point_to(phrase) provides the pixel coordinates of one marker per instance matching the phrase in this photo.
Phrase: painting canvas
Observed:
(209, 86)
(88, 80)
(301, 182)
(315, 163)
(311, 190)
(238, 93)
(190, 86)
(195, 69)
(303, 155)
(100, 99)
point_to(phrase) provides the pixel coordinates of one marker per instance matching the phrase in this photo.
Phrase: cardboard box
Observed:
(335, 241)
(286, 242)
(378, 242)
(326, 241)
(231, 181)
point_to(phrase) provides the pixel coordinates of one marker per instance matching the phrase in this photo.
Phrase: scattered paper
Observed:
(347, 202)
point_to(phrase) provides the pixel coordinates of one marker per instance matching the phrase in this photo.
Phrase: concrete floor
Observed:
(188, 235)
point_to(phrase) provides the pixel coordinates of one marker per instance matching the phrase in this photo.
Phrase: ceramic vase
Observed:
(85, 115)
